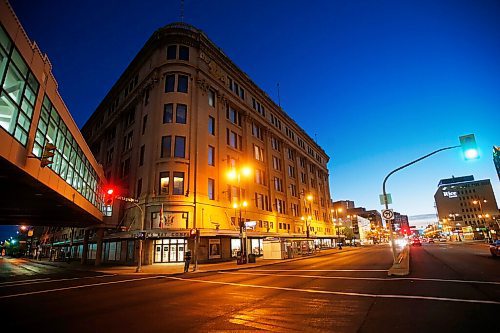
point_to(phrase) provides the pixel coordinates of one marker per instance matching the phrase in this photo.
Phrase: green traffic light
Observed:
(469, 147)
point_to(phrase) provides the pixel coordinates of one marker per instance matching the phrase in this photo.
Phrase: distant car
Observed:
(416, 242)
(495, 248)
(431, 240)
(442, 239)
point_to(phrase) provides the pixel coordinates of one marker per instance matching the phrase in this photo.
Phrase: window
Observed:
(180, 146)
(258, 107)
(280, 206)
(303, 177)
(180, 115)
(139, 188)
(278, 184)
(182, 84)
(166, 144)
(144, 122)
(178, 183)
(233, 116)
(211, 97)
(291, 171)
(170, 83)
(276, 144)
(258, 153)
(171, 52)
(168, 113)
(275, 121)
(257, 131)
(211, 125)
(236, 88)
(125, 168)
(233, 139)
(211, 189)
(259, 201)
(164, 182)
(293, 190)
(183, 52)
(211, 155)
(18, 91)
(141, 155)
(127, 141)
(291, 154)
(260, 177)
(276, 163)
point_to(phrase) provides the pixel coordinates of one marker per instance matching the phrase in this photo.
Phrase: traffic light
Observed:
(48, 153)
(469, 147)
(109, 195)
(192, 233)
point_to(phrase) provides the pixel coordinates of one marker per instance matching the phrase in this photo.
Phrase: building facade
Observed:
(467, 208)
(496, 159)
(204, 151)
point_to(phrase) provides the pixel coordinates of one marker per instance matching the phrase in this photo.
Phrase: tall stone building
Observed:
(204, 150)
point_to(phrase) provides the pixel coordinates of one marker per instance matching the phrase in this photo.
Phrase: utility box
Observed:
(274, 249)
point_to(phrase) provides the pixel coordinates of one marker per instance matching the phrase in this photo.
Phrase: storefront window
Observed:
(235, 247)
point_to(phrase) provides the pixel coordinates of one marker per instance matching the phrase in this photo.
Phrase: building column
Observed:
(85, 250)
(98, 254)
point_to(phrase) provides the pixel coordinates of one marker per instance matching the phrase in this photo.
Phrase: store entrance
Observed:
(169, 250)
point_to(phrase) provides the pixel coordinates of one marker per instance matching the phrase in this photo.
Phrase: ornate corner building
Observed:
(200, 146)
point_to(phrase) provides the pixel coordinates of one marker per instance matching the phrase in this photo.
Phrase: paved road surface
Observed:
(452, 288)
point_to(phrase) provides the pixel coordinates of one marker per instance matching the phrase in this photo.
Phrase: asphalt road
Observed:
(452, 288)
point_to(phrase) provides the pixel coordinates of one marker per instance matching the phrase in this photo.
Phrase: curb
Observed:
(402, 266)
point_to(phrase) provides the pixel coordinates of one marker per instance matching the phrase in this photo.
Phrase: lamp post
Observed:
(309, 198)
(468, 144)
(237, 175)
(455, 224)
(480, 203)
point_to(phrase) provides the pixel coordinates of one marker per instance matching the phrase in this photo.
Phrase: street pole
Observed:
(139, 260)
(393, 245)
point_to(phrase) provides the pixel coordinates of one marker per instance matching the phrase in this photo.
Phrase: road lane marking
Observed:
(364, 278)
(80, 287)
(317, 270)
(21, 283)
(427, 298)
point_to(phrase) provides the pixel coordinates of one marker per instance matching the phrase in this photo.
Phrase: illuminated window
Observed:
(178, 183)
(164, 182)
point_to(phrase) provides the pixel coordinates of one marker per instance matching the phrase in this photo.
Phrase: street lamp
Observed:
(469, 147)
(237, 175)
(310, 199)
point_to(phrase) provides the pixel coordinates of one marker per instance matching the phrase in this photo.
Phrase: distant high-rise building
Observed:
(466, 207)
(496, 159)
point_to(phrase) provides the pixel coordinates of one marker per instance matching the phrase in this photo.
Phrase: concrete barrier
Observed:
(402, 266)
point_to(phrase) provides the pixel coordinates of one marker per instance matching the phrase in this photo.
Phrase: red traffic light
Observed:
(110, 191)
(109, 195)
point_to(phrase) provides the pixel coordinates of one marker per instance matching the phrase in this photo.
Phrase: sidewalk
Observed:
(177, 268)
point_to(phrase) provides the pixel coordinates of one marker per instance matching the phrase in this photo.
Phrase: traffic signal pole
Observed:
(393, 245)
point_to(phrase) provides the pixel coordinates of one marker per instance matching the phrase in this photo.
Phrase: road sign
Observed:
(388, 214)
(387, 198)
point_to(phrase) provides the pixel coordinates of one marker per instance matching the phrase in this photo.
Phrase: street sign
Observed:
(388, 214)
(387, 198)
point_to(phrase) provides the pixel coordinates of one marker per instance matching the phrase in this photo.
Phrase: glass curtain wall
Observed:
(18, 92)
(69, 162)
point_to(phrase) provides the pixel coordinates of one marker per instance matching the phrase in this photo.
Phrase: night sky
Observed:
(377, 83)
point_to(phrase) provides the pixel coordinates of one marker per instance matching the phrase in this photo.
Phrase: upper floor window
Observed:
(183, 52)
(211, 97)
(211, 155)
(180, 146)
(182, 83)
(168, 113)
(233, 116)
(164, 182)
(258, 107)
(257, 131)
(181, 112)
(236, 88)
(178, 183)
(211, 125)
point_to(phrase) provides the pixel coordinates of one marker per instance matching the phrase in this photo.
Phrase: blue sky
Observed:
(378, 83)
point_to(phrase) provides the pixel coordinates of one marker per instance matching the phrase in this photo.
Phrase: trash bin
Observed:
(241, 259)
(251, 258)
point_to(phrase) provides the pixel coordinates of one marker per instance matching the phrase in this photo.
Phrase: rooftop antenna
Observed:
(279, 99)
(315, 137)
(182, 11)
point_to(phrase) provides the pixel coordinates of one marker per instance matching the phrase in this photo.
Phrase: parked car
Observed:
(495, 248)
(442, 239)
(431, 240)
(416, 242)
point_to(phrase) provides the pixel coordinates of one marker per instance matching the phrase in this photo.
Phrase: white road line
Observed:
(364, 278)
(21, 283)
(427, 298)
(317, 270)
(79, 287)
